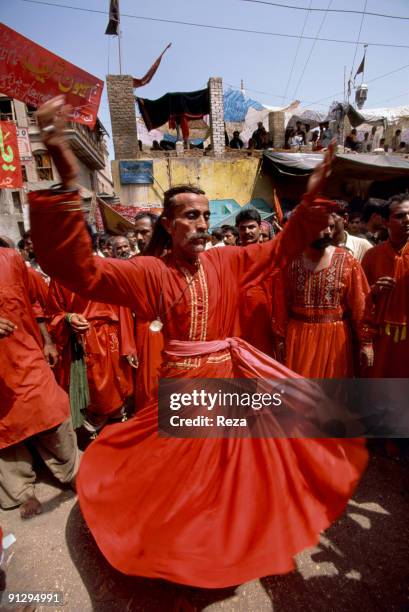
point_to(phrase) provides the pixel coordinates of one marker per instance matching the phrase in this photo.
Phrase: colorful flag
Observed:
(114, 19)
(33, 75)
(151, 72)
(10, 167)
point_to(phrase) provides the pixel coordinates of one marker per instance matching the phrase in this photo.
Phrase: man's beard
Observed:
(321, 243)
(123, 255)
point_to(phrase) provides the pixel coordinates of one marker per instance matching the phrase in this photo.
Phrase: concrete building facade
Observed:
(39, 171)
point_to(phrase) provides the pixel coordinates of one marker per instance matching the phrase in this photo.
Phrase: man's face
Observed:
(229, 238)
(354, 226)
(106, 249)
(122, 249)
(325, 237)
(189, 225)
(249, 232)
(339, 220)
(28, 246)
(143, 232)
(398, 223)
(131, 239)
(377, 221)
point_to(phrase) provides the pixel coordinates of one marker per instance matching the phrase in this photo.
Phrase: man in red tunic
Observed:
(319, 312)
(32, 404)
(256, 302)
(188, 510)
(105, 335)
(387, 268)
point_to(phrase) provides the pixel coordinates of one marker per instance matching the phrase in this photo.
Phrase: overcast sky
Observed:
(264, 62)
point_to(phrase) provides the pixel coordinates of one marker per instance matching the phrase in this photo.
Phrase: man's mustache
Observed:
(199, 236)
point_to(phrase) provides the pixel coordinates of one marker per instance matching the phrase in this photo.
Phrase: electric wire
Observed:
(311, 51)
(216, 27)
(296, 54)
(322, 10)
(358, 39)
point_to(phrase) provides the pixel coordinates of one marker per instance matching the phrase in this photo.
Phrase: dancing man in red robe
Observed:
(205, 512)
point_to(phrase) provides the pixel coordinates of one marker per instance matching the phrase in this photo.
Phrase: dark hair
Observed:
(342, 207)
(230, 228)
(160, 238)
(103, 240)
(373, 206)
(146, 214)
(217, 233)
(249, 214)
(20, 244)
(4, 242)
(396, 199)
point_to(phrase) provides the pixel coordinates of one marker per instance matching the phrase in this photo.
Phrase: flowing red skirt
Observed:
(212, 512)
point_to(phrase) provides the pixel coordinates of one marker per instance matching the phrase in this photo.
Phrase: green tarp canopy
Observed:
(266, 213)
(361, 166)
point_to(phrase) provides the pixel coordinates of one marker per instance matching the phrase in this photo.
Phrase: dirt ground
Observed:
(361, 563)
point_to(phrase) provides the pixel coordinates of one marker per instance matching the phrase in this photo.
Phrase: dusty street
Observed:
(361, 563)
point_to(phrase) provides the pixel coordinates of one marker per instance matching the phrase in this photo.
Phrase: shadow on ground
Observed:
(361, 562)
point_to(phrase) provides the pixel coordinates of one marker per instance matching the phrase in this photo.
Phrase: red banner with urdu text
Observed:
(10, 166)
(33, 75)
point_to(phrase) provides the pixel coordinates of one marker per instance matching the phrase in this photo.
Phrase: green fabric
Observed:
(79, 390)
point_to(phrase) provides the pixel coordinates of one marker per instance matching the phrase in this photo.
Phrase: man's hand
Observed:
(132, 360)
(78, 323)
(383, 285)
(51, 354)
(52, 119)
(366, 356)
(6, 327)
(279, 349)
(318, 178)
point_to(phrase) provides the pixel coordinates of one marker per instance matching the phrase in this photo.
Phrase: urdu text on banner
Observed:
(33, 75)
(10, 166)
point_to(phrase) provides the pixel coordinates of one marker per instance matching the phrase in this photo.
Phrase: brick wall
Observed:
(216, 115)
(123, 116)
(276, 128)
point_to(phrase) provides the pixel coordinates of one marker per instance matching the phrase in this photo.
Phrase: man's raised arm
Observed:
(59, 234)
(308, 219)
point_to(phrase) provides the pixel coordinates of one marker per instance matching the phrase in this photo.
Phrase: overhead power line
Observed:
(332, 96)
(322, 10)
(296, 53)
(216, 27)
(378, 78)
(359, 37)
(307, 61)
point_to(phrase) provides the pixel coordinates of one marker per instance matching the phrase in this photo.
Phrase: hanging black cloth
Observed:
(174, 106)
